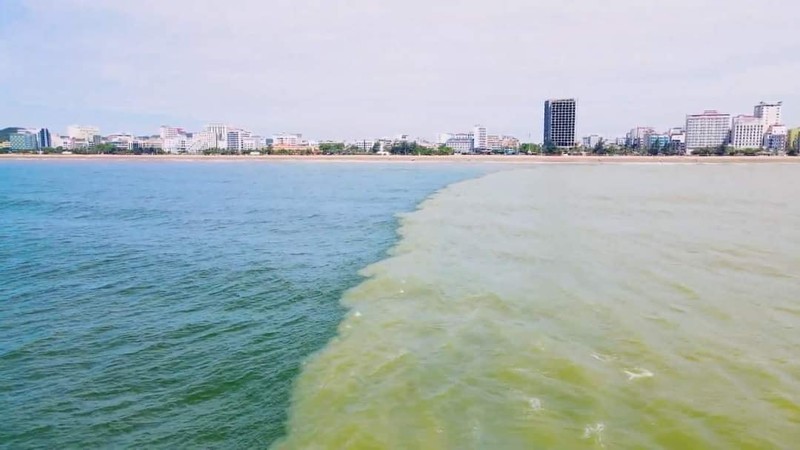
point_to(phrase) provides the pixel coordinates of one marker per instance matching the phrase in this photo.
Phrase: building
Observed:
(708, 130)
(776, 138)
(461, 143)
(24, 141)
(559, 122)
(747, 132)
(58, 141)
(290, 142)
(481, 140)
(365, 145)
(178, 144)
(83, 133)
(509, 143)
(677, 139)
(769, 113)
(494, 143)
(44, 138)
(657, 141)
(167, 132)
(638, 137)
(253, 142)
(793, 139)
(125, 142)
(591, 141)
(235, 139)
(154, 143)
(442, 138)
(217, 136)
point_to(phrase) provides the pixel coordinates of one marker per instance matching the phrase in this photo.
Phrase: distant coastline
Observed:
(474, 159)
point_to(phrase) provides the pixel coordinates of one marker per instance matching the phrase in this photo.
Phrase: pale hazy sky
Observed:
(363, 68)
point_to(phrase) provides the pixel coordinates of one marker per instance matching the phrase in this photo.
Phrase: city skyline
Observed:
(366, 69)
(732, 117)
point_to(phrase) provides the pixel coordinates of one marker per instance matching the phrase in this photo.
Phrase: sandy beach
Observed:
(472, 159)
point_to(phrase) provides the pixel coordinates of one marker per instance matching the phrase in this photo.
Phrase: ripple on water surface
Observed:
(573, 307)
(170, 305)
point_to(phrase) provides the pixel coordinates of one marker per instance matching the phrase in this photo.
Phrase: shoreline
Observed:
(471, 159)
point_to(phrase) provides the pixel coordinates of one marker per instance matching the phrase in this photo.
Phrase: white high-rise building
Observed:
(481, 139)
(166, 132)
(769, 113)
(747, 132)
(81, 132)
(708, 130)
(236, 139)
(217, 136)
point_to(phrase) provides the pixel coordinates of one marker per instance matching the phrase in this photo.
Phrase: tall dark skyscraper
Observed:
(559, 122)
(44, 138)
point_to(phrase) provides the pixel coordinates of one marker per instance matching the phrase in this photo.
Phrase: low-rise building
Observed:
(591, 141)
(658, 141)
(677, 138)
(461, 143)
(23, 141)
(793, 139)
(509, 143)
(776, 138)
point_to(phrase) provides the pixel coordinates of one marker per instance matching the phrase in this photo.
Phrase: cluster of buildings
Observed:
(764, 130)
(76, 137)
(214, 136)
(478, 141)
(222, 138)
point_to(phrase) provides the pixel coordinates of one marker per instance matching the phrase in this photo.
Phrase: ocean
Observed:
(316, 306)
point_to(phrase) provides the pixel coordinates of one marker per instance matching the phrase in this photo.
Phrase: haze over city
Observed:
(346, 70)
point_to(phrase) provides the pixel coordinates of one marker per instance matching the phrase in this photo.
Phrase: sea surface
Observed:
(230, 305)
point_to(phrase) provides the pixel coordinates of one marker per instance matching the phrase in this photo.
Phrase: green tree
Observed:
(444, 150)
(529, 148)
(551, 149)
(331, 148)
(600, 148)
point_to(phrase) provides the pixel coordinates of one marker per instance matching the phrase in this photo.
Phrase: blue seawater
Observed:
(172, 304)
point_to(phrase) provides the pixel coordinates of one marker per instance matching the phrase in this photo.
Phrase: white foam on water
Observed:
(637, 373)
(535, 404)
(602, 358)
(595, 432)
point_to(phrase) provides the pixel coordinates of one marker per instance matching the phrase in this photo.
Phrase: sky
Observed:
(350, 69)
